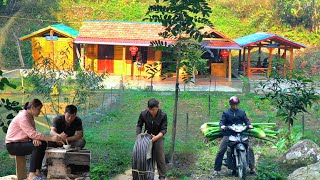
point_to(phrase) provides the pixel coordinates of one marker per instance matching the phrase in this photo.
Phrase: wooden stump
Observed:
(21, 169)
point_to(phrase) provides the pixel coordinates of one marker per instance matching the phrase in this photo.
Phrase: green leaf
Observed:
(4, 129)
(10, 116)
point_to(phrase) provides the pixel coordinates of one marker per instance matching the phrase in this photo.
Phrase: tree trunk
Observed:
(175, 110)
(19, 50)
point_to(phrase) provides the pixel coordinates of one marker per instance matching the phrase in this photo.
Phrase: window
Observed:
(105, 52)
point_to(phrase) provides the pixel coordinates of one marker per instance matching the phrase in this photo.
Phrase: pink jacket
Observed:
(22, 129)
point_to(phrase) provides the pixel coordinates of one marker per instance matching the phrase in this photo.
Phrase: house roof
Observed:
(60, 29)
(212, 43)
(218, 40)
(268, 39)
(120, 33)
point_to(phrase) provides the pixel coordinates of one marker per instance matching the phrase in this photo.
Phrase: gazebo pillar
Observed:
(249, 62)
(270, 60)
(284, 62)
(291, 60)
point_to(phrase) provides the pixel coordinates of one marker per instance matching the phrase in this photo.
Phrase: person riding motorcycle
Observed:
(233, 115)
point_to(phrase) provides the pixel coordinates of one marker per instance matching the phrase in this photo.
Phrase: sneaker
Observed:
(216, 173)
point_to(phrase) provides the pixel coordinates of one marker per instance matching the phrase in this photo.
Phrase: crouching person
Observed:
(69, 127)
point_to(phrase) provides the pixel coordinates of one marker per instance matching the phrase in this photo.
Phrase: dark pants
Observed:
(76, 144)
(158, 153)
(223, 149)
(26, 148)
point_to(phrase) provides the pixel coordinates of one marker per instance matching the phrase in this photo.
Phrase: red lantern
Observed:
(133, 50)
(224, 54)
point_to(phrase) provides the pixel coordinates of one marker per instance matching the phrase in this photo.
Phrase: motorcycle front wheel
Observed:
(242, 165)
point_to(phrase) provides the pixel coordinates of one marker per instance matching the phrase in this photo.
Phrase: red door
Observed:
(105, 58)
(105, 65)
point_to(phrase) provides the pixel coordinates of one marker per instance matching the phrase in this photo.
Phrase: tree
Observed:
(300, 12)
(291, 94)
(152, 70)
(10, 108)
(182, 19)
(192, 61)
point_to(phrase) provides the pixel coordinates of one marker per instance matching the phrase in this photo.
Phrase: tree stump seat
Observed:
(21, 169)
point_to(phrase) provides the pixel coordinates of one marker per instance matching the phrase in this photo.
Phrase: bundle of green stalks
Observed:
(211, 130)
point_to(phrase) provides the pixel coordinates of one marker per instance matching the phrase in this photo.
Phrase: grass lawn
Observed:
(111, 135)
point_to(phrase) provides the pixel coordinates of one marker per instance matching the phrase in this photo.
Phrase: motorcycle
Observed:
(237, 160)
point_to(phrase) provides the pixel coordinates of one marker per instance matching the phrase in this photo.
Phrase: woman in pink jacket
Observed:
(23, 139)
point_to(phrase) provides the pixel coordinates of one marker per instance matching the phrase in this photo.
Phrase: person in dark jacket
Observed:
(155, 123)
(233, 115)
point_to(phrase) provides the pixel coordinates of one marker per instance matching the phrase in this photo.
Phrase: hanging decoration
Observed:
(224, 54)
(133, 50)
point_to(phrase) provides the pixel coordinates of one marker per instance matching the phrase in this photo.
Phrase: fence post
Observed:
(187, 125)
(302, 124)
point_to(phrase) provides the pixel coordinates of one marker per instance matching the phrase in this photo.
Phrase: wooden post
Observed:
(270, 61)
(124, 64)
(82, 59)
(21, 170)
(239, 65)
(230, 68)
(187, 125)
(284, 61)
(249, 63)
(291, 60)
(243, 61)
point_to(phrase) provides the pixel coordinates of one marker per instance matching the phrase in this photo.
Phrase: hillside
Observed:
(231, 17)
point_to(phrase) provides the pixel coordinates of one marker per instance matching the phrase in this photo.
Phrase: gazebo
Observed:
(271, 42)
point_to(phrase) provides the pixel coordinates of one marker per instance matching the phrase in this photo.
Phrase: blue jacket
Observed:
(231, 116)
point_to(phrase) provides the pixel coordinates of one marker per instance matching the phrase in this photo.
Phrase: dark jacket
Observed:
(152, 125)
(231, 116)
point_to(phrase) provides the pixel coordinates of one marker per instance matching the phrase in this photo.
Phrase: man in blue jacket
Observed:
(233, 115)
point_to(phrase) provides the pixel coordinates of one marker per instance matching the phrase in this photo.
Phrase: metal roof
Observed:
(58, 28)
(216, 44)
(274, 39)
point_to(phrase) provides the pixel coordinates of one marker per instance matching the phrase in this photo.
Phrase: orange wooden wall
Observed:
(58, 53)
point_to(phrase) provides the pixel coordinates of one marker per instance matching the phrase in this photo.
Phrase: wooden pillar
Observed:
(243, 61)
(82, 61)
(270, 61)
(284, 61)
(124, 64)
(230, 66)
(249, 62)
(291, 60)
(239, 65)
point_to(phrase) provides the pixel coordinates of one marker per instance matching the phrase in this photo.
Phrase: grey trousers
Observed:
(158, 153)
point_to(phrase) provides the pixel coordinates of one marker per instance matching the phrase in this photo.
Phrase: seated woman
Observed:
(23, 139)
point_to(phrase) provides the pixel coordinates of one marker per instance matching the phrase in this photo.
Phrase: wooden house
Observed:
(53, 46)
(219, 47)
(119, 48)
